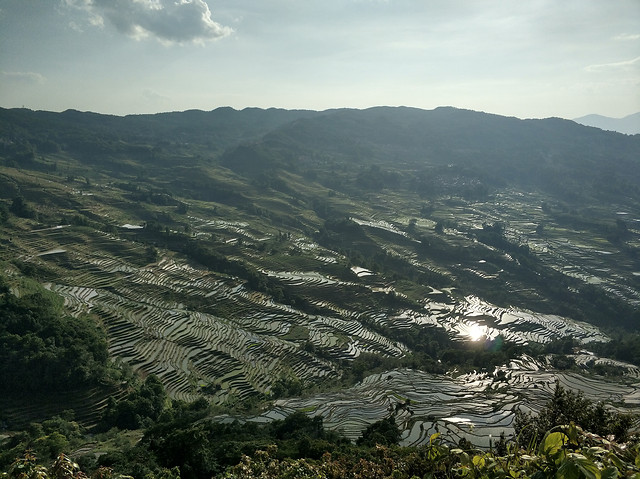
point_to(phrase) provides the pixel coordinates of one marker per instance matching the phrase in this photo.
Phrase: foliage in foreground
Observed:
(64, 467)
(567, 452)
(567, 407)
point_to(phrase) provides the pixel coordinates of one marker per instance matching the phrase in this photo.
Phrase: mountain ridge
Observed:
(629, 125)
(545, 153)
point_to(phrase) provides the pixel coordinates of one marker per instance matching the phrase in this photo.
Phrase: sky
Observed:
(523, 58)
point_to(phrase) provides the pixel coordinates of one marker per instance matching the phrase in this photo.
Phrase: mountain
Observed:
(445, 265)
(549, 154)
(629, 125)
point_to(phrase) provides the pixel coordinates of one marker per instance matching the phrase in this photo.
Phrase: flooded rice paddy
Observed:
(201, 332)
(475, 406)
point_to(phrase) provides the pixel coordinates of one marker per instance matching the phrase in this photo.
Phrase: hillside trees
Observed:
(183, 442)
(139, 408)
(384, 432)
(19, 207)
(4, 213)
(567, 407)
(41, 349)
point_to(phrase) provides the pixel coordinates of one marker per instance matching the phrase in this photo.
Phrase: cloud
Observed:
(153, 96)
(627, 37)
(169, 21)
(624, 65)
(24, 77)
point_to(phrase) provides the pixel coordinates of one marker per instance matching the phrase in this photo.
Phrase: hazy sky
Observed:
(527, 58)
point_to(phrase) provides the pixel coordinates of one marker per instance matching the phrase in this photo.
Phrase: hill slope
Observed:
(256, 255)
(629, 125)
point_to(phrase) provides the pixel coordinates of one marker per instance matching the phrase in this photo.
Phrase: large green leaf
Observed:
(586, 466)
(478, 461)
(553, 443)
(568, 470)
(610, 473)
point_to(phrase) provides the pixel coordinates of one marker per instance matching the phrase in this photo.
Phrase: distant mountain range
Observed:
(559, 156)
(629, 125)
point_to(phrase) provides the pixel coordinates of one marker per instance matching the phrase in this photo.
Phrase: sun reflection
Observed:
(476, 332)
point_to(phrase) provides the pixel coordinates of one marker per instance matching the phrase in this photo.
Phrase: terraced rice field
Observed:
(152, 327)
(206, 333)
(203, 332)
(476, 406)
(587, 257)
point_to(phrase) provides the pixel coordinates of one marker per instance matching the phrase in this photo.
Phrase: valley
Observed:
(347, 264)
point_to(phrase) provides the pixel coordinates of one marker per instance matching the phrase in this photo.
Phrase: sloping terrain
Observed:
(629, 125)
(254, 255)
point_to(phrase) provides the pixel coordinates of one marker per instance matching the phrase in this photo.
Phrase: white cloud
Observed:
(169, 21)
(74, 26)
(624, 65)
(24, 77)
(153, 96)
(627, 37)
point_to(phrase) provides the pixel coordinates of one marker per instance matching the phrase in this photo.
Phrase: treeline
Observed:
(208, 255)
(567, 407)
(434, 351)
(624, 346)
(349, 238)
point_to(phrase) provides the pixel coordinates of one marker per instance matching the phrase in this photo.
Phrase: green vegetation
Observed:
(140, 407)
(623, 346)
(567, 407)
(43, 350)
(569, 454)
(183, 443)
(384, 432)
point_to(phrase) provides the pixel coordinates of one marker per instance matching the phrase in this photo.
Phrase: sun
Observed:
(476, 332)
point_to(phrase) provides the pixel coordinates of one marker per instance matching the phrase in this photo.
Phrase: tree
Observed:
(384, 432)
(141, 406)
(298, 425)
(567, 407)
(4, 213)
(19, 207)
(42, 350)
(51, 445)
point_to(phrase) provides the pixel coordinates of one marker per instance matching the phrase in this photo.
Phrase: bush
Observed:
(384, 432)
(568, 407)
(139, 408)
